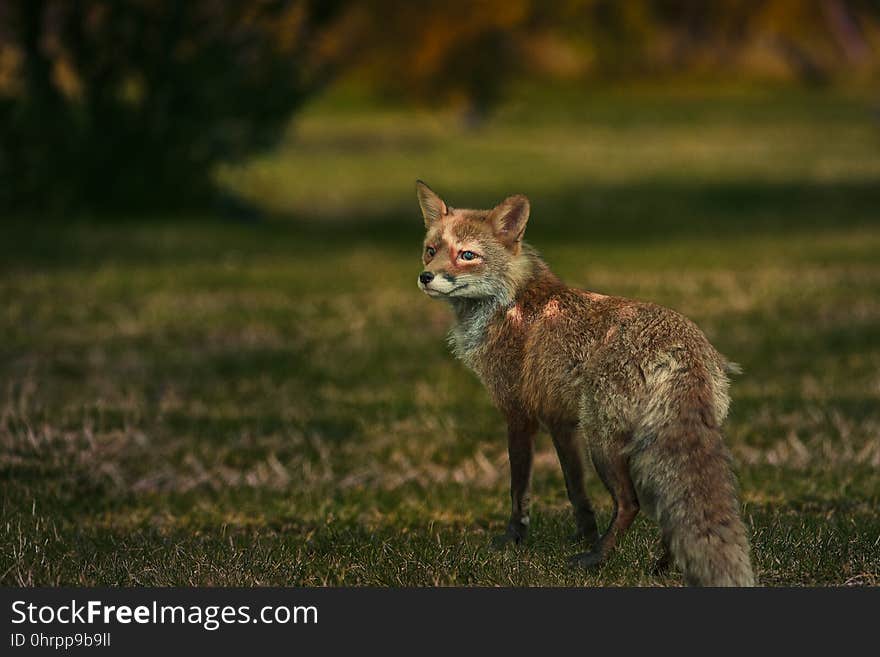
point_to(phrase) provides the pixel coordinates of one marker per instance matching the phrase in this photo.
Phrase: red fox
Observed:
(635, 386)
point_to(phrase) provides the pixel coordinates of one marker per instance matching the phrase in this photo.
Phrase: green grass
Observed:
(189, 400)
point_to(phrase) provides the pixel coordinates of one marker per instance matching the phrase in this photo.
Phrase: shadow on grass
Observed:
(647, 212)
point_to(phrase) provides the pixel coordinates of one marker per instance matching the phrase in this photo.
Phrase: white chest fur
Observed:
(469, 333)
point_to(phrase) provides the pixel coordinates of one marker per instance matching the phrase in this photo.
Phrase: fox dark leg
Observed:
(572, 451)
(613, 470)
(520, 448)
(664, 563)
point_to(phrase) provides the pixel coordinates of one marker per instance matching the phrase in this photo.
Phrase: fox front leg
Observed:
(520, 449)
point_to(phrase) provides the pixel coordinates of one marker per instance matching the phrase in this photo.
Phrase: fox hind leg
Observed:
(613, 469)
(664, 563)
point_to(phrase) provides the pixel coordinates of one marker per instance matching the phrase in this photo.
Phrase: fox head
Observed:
(472, 254)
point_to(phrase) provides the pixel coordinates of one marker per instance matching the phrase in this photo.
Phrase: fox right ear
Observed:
(508, 219)
(433, 207)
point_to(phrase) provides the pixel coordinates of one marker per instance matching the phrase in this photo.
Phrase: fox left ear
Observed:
(508, 220)
(433, 207)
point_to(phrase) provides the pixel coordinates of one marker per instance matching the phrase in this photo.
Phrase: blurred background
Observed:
(216, 367)
(137, 104)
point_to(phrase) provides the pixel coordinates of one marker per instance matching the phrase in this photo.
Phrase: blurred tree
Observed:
(131, 102)
(458, 51)
(445, 51)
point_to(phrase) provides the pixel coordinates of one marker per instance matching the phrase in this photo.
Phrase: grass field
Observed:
(269, 400)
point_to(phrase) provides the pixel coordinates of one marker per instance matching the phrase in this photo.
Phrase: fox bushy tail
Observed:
(684, 471)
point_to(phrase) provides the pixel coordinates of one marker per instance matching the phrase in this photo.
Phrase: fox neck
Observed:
(473, 316)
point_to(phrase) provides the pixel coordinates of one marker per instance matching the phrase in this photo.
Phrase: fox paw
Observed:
(662, 566)
(591, 559)
(515, 535)
(590, 537)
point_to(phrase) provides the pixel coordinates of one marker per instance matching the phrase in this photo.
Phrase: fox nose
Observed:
(426, 277)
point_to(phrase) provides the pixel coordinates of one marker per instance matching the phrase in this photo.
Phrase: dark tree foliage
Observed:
(131, 102)
(458, 51)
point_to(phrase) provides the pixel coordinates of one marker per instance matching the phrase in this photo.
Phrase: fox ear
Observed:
(433, 207)
(508, 220)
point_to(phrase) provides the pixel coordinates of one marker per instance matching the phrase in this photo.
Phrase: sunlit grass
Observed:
(342, 163)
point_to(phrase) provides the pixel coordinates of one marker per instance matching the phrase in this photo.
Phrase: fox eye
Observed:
(431, 251)
(467, 255)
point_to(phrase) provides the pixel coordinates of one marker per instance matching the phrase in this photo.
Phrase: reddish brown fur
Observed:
(636, 386)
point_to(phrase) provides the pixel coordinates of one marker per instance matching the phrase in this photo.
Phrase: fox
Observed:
(632, 386)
